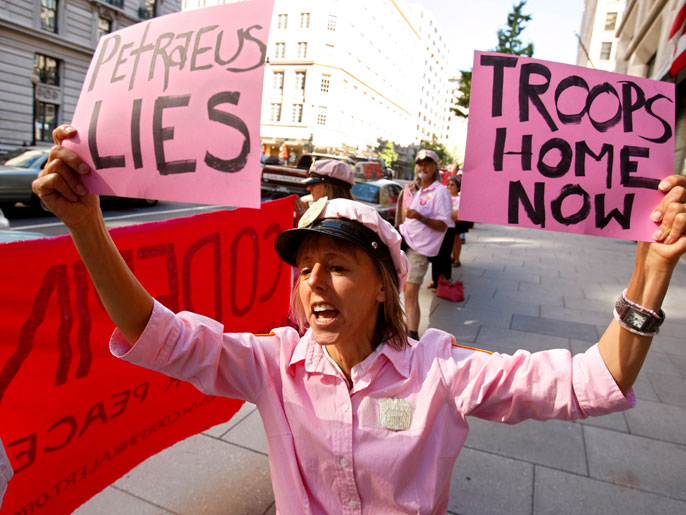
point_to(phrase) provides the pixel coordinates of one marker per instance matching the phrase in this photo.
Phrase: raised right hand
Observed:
(59, 184)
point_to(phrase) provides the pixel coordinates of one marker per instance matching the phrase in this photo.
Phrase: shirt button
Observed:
(345, 407)
(344, 462)
(352, 504)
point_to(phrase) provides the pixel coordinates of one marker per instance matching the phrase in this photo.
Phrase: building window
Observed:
(278, 82)
(610, 21)
(329, 50)
(276, 112)
(300, 83)
(48, 15)
(282, 21)
(45, 121)
(326, 80)
(47, 69)
(605, 50)
(331, 25)
(280, 50)
(304, 20)
(149, 9)
(104, 27)
(297, 113)
(321, 116)
(302, 50)
(116, 3)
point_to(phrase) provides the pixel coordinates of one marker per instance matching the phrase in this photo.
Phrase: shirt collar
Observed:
(310, 352)
(431, 186)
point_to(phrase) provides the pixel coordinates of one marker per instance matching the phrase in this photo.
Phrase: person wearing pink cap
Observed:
(423, 230)
(327, 178)
(360, 418)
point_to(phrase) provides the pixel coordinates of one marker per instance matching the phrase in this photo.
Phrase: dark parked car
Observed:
(18, 172)
(382, 195)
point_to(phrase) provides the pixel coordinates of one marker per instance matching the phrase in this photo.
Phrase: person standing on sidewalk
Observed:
(426, 222)
(359, 417)
(460, 227)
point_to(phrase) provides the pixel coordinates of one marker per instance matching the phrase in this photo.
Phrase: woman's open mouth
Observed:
(324, 313)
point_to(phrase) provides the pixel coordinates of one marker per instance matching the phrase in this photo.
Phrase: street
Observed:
(117, 213)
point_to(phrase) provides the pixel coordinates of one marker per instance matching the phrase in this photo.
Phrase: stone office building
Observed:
(45, 49)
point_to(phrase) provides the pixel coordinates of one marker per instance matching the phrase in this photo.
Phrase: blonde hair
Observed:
(391, 325)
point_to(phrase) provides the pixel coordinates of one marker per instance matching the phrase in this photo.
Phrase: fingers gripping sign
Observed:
(59, 184)
(670, 236)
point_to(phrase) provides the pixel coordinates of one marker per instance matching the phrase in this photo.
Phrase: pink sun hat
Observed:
(352, 221)
(331, 171)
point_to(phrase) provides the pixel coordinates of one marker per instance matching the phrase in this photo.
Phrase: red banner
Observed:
(72, 417)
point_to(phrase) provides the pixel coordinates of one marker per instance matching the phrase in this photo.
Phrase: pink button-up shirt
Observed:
(389, 443)
(433, 202)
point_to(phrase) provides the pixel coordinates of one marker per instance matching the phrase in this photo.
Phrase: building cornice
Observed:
(406, 20)
(48, 38)
(645, 26)
(625, 16)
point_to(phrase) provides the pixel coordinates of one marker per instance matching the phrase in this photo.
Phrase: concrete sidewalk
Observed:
(525, 289)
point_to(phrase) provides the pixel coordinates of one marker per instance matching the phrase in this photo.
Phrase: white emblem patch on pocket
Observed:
(395, 414)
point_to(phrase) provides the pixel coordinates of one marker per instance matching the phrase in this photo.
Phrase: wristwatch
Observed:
(636, 318)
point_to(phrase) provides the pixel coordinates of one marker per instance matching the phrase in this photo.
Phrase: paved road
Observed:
(525, 289)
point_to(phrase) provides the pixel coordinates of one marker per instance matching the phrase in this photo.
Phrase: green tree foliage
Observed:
(465, 90)
(443, 154)
(388, 154)
(508, 43)
(508, 37)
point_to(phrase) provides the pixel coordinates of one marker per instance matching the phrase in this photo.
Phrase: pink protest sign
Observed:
(170, 108)
(565, 148)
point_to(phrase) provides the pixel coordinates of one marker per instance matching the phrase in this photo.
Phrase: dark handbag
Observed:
(449, 290)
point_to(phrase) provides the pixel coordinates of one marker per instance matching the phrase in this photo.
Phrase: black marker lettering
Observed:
(101, 56)
(570, 82)
(99, 161)
(535, 211)
(629, 105)
(667, 129)
(245, 34)
(161, 134)
(623, 219)
(581, 214)
(562, 167)
(197, 50)
(598, 90)
(136, 134)
(531, 92)
(137, 53)
(499, 63)
(499, 150)
(627, 167)
(582, 150)
(237, 163)
(120, 61)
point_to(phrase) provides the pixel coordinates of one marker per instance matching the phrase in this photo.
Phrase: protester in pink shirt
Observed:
(426, 222)
(359, 417)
